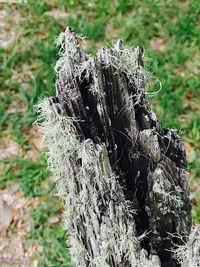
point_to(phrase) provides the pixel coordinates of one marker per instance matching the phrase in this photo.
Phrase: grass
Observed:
(169, 32)
(29, 173)
(50, 237)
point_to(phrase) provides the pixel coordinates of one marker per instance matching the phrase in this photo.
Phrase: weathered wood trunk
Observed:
(122, 175)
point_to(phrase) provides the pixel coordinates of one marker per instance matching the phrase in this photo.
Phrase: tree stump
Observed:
(121, 175)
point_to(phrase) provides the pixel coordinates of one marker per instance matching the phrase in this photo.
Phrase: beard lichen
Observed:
(87, 186)
(99, 219)
(188, 254)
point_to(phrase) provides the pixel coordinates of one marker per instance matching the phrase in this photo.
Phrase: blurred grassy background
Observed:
(170, 33)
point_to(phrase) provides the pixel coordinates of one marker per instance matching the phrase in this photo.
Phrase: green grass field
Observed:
(170, 33)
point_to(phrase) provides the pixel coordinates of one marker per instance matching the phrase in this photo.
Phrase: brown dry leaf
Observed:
(32, 154)
(6, 215)
(193, 66)
(24, 74)
(16, 206)
(179, 71)
(36, 141)
(188, 147)
(111, 32)
(9, 148)
(42, 35)
(54, 219)
(13, 248)
(157, 44)
(8, 34)
(57, 14)
(188, 95)
(35, 203)
(32, 250)
(195, 186)
(186, 99)
(12, 253)
(185, 4)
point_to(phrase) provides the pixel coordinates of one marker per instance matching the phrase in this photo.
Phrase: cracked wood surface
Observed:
(120, 134)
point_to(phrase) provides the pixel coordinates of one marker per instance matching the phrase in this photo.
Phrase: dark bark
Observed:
(149, 161)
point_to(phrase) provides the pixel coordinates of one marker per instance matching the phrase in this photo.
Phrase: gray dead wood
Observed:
(109, 107)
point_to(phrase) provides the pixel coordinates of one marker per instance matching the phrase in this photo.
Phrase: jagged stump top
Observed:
(120, 172)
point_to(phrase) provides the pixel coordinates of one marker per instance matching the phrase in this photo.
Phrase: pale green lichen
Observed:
(188, 254)
(121, 57)
(161, 188)
(83, 188)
